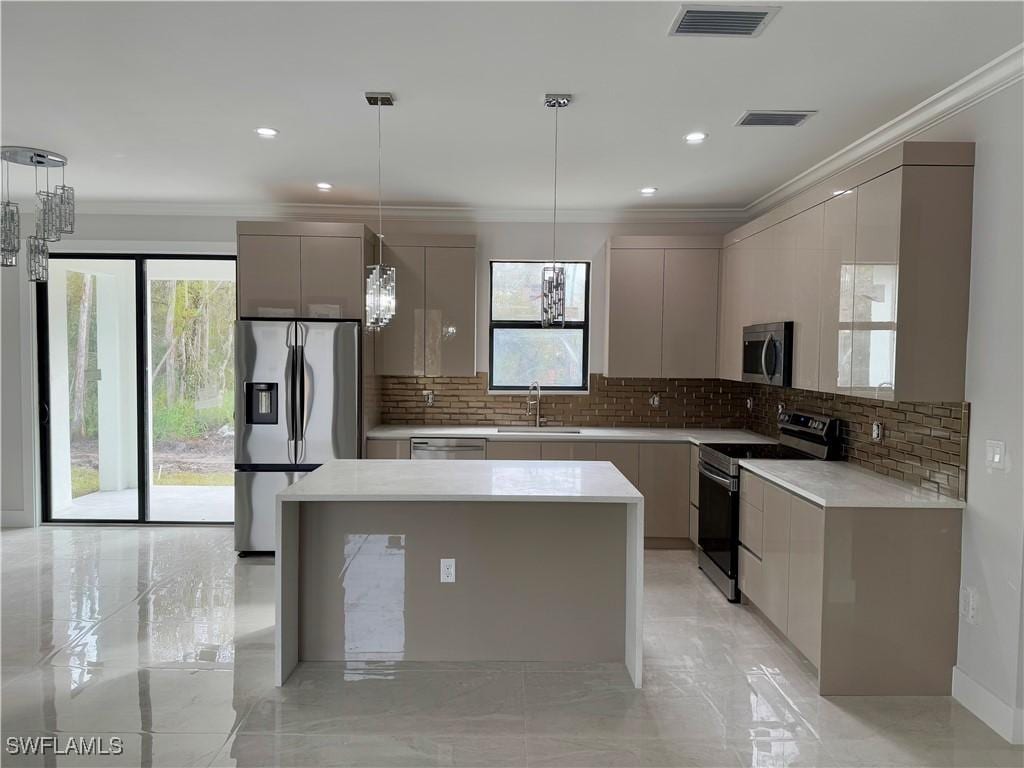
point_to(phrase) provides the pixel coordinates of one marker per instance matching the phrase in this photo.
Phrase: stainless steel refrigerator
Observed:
(296, 407)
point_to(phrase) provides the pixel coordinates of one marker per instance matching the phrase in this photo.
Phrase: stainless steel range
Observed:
(802, 436)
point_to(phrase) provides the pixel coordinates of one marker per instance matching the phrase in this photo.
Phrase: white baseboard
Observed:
(16, 518)
(1004, 719)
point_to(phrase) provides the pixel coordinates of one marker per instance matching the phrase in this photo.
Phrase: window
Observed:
(521, 351)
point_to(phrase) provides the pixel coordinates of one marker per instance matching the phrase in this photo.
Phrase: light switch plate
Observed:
(995, 454)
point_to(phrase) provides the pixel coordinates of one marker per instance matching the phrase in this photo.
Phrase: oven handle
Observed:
(717, 476)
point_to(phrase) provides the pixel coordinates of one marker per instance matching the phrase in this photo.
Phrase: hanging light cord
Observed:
(380, 193)
(554, 207)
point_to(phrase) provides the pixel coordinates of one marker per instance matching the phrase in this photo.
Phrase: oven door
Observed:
(719, 526)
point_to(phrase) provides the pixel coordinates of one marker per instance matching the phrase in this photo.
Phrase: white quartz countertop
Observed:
(595, 434)
(840, 484)
(407, 480)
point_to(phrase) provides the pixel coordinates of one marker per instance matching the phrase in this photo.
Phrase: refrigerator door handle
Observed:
(289, 396)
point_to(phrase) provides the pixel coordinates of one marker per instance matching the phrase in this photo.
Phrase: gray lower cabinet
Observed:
(527, 450)
(625, 457)
(387, 449)
(665, 484)
(568, 451)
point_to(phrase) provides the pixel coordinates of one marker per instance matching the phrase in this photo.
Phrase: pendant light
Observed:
(552, 293)
(380, 279)
(55, 214)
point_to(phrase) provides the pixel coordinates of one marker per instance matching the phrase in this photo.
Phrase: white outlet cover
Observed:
(447, 570)
(995, 454)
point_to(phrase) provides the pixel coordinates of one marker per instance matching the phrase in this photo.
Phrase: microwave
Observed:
(768, 354)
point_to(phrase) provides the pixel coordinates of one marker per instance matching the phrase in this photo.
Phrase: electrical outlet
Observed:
(654, 400)
(780, 408)
(877, 431)
(447, 570)
(428, 396)
(969, 605)
(750, 403)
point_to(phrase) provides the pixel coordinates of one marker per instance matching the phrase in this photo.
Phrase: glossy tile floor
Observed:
(161, 637)
(175, 503)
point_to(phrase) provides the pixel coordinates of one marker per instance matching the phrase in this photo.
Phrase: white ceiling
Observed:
(158, 101)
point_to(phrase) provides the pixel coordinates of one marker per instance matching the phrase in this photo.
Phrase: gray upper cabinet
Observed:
(268, 276)
(690, 313)
(433, 332)
(450, 334)
(840, 237)
(635, 312)
(333, 282)
(399, 349)
(873, 266)
(304, 269)
(662, 307)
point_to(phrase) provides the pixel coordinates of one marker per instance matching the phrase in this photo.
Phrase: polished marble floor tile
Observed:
(163, 637)
(361, 750)
(159, 750)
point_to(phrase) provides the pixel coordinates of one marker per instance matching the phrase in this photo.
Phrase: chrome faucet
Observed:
(533, 402)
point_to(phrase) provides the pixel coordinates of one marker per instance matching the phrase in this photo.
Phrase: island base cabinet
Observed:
(806, 572)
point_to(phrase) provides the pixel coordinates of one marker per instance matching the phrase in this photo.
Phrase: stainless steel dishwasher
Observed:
(449, 448)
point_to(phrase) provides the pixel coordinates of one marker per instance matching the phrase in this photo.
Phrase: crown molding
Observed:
(368, 213)
(991, 78)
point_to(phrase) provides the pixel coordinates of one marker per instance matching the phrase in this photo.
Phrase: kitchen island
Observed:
(548, 564)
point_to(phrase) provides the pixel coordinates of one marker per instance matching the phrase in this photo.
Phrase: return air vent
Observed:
(722, 20)
(778, 117)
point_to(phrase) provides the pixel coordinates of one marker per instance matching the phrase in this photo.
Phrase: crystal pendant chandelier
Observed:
(552, 286)
(380, 279)
(55, 211)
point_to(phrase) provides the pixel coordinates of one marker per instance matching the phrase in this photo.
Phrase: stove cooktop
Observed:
(756, 451)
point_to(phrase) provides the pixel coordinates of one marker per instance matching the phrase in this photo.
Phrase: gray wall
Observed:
(12, 464)
(990, 651)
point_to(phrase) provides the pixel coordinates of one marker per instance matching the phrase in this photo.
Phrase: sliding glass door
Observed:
(91, 414)
(191, 388)
(136, 389)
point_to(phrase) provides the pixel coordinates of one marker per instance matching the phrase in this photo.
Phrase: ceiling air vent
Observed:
(779, 117)
(723, 20)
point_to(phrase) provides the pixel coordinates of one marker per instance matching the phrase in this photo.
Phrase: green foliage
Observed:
(84, 480)
(183, 421)
(195, 478)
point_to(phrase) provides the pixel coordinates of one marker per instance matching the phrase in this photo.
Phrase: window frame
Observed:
(536, 324)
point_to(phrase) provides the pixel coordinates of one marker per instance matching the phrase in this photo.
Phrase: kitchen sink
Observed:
(549, 430)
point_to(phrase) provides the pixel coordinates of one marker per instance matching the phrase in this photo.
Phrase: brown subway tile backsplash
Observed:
(923, 443)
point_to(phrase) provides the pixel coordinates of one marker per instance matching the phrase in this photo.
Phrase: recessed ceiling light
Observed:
(266, 133)
(648, 191)
(323, 186)
(696, 137)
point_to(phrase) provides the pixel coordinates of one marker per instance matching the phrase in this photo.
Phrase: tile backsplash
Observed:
(923, 443)
(610, 403)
